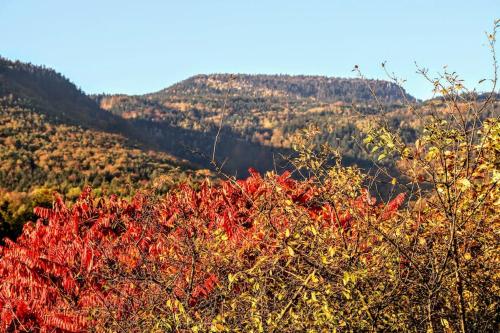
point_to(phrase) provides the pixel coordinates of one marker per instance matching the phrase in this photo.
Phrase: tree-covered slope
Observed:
(320, 88)
(267, 110)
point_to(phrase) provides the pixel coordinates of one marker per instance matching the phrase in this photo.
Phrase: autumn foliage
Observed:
(104, 261)
(317, 250)
(270, 253)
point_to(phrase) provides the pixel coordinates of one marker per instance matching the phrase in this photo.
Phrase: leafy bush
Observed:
(192, 259)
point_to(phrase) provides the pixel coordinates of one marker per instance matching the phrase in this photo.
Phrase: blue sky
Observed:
(143, 46)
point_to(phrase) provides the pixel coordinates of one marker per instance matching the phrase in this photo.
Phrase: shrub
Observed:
(194, 259)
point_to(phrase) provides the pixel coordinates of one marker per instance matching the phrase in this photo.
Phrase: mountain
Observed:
(267, 110)
(256, 116)
(50, 93)
(319, 88)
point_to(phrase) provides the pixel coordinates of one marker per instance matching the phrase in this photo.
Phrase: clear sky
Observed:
(142, 46)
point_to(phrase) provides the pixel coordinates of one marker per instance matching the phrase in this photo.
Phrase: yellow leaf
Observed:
(180, 307)
(291, 252)
(314, 231)
(496, 176)
(346, 278)
(464, 184)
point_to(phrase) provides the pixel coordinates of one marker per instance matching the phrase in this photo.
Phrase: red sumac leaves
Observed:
(102, 260)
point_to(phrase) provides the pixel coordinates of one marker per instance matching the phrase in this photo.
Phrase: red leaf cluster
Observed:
(115, 254)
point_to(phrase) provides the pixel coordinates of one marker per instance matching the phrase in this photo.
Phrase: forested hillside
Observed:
(320, 88)
(270, 110)
(48, 92)
(40, 156)
(258, 115)
(267, 110)
(55, 138)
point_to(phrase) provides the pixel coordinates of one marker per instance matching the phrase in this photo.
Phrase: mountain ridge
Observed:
(49, 93)
(257, 114)
(322, 88)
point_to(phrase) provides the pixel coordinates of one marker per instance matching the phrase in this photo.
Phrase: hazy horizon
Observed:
(135, 48)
